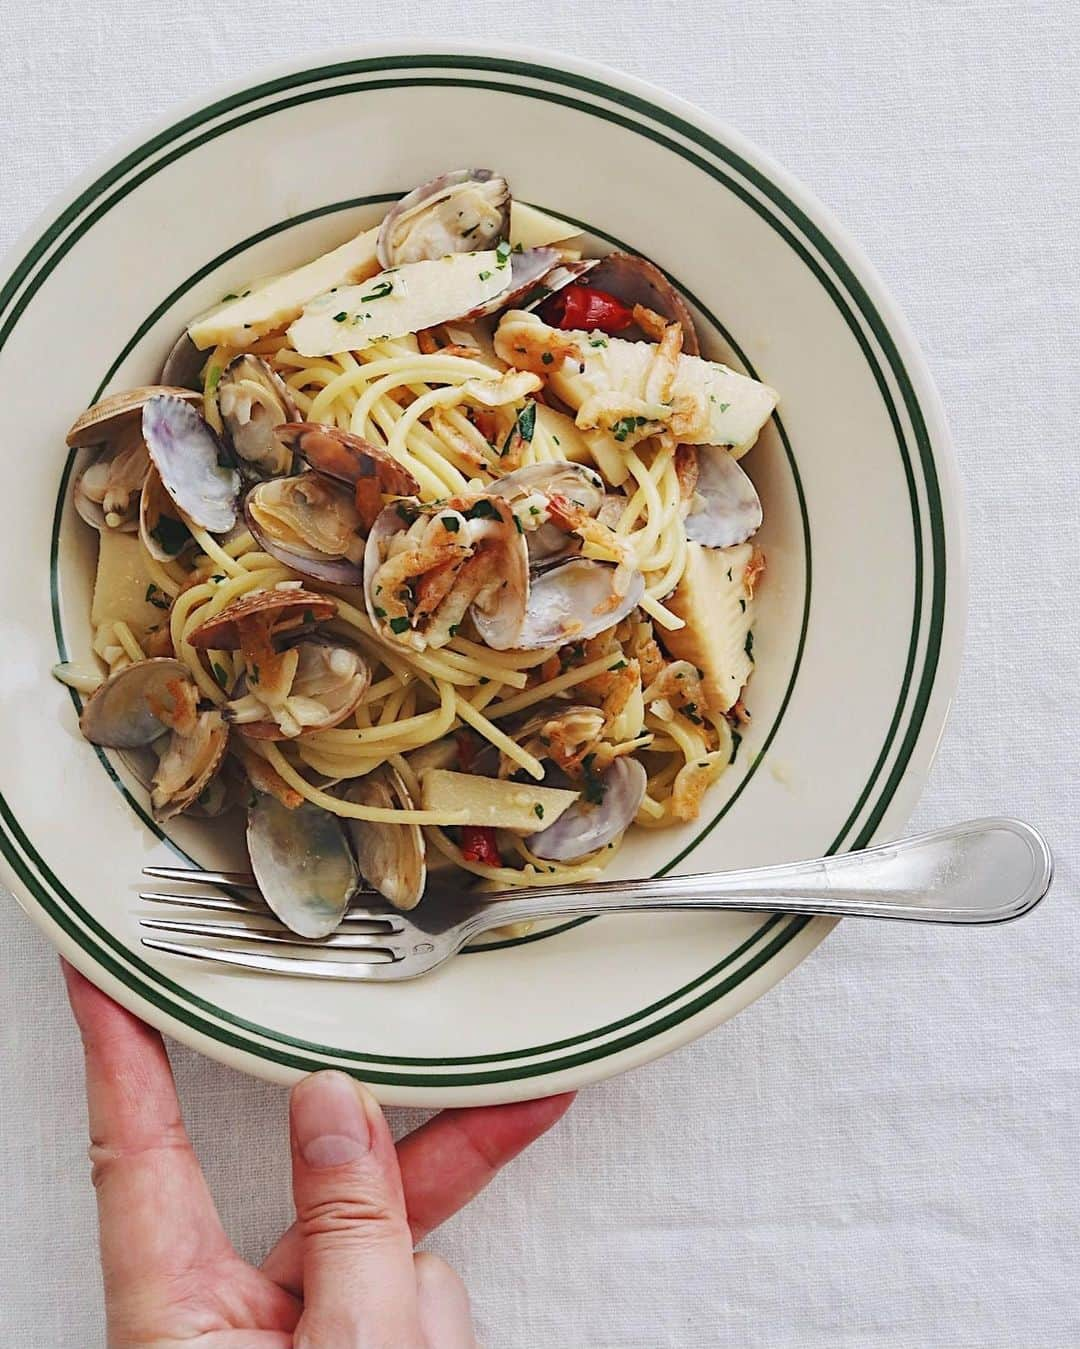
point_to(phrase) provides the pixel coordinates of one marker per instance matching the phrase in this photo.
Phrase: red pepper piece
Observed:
(585, 307)
(478, 845)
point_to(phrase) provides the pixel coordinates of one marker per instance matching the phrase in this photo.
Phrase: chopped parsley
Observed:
(170, 534)
(379, 613)
(382, 289)
(454, 629)
(156, 597)
(619, 665)
(517, 524)
(219, 674)
(218, 576)
(556, 440)
(736, 741)
(597, 341)
(742, 606)
(502, 254)
(340, 318)
(253, 675)
(405, 512)
(534, 510)
(309, 616)
(538, 811)
(232, 295)
(724, 407)
(626, 425)
(547, 358)
(729, 573)
(450, 523)
(484, 680)
(748, 646)
(483, 509)
(213, 378)
(399, 625)
(692, 713)
(485, 276)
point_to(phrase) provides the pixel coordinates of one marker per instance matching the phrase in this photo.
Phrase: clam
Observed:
(529, 491)
(391, 857)
(367, 468)
(188, 764)
(529, 271)
(137, 704)
(288, 611)
(725, 508)
(466, 556)
(328, 684)
(99, 424)
(188, 455)
(560, 276)
(464, 211)
(311, 524)
(253, 401)
(302, 863)
(635, 280)
(146, 701)
(576, 600)
(183, 365)
(161, 530)
(587, 826)
(106, 493)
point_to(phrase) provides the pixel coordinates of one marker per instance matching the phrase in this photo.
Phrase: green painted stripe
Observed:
(865, 306)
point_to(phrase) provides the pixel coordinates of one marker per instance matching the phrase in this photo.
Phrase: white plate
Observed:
(861, 611)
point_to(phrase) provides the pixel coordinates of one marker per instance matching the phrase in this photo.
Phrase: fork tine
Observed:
(242, 880)
(387, 921)
(339, 941)
(265, 963)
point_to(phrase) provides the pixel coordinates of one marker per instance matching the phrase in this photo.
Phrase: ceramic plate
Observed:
(860, 617)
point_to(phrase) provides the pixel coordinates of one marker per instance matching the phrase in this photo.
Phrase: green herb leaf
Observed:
(483, 509)
(502, 254)
(484, 276)
(219, 674)
(382, 289)
(451, 523)
(253, 675)
(231, 296)
(454, 629)
(405, 511)
(598, 342)
(736, 741)
(595, 786)
(742, 606)
(213, 378)
(547, 358)
(724, 407)
(340, 318)
(538, 811)
(398, 625)
(748, 646)
(379, 613)
(156, 597)
(218, 576)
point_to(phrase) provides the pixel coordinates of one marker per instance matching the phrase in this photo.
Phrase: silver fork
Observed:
(984, 871)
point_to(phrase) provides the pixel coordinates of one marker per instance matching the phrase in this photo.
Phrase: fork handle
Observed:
(984, 871)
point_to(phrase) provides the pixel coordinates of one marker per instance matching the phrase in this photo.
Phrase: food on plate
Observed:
(433, 552)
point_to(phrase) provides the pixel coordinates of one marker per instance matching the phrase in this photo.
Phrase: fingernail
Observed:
(329, 1121)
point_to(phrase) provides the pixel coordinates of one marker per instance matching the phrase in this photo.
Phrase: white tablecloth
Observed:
(882, 1152)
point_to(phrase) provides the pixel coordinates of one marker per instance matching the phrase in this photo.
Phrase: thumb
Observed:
(359, 1284)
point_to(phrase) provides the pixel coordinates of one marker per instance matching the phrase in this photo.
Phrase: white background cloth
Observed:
(883, 1151)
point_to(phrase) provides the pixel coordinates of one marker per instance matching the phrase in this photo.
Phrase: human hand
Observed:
(345, 1274)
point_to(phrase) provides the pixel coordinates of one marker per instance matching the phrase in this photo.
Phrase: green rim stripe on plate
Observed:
(863, 302)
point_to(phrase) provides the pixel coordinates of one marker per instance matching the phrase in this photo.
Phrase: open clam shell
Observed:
(311, 524)
(253, 401)
(183, 365)
(121, 714)
(585, 826)
(292, 610)
(188, 765)
(463, 211)
(330, 680)
(99, 423)
(636, 280)
(189, 458)
(528, 490)
(391, 857)
(575, 600)
(302, 863)
(725, 509)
